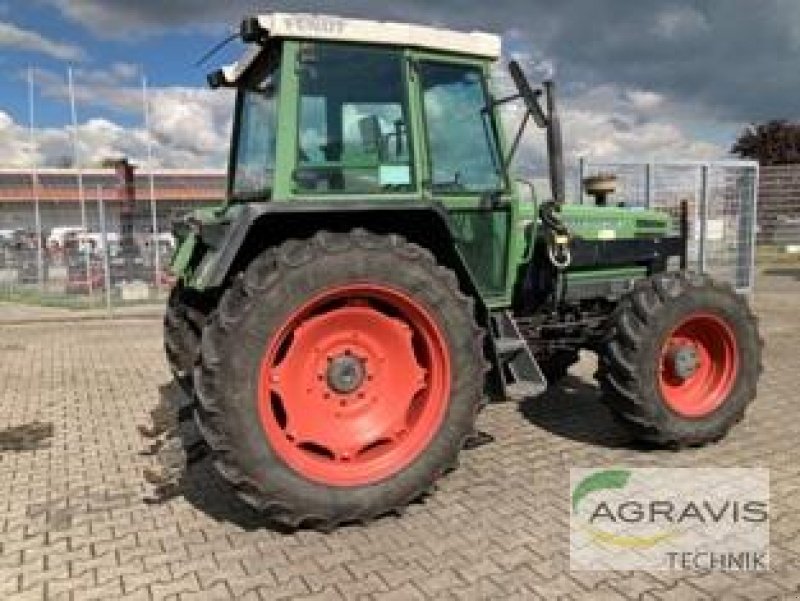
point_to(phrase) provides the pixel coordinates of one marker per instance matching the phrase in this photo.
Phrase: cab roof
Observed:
(306, 26)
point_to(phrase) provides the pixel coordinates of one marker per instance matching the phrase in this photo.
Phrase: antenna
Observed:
(216, 48)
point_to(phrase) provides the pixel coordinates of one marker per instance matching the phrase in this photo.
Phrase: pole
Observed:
(153, 208)
(75, 148)
(751, 280)
(35, 184)
(79, 174)
(703, 210)
(104, 238)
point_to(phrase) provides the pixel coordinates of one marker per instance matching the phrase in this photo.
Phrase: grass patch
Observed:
(76, 302)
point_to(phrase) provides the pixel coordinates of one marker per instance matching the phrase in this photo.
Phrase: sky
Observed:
(641, 80)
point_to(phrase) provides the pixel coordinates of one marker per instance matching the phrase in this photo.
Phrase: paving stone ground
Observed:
(76, 523)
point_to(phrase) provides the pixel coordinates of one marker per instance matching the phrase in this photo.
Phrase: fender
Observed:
(229, 241)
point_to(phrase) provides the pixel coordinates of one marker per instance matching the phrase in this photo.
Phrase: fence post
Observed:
(703, 214)
(648, 185)
(754, 226)
(581, 175)
(104, 237)
(76, 160)
(35, 186)
(155, 242)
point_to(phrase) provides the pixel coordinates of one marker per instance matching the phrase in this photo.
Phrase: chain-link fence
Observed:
(722, 198)
(74, 239)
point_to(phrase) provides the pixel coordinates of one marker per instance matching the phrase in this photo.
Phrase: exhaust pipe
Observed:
(555, 148)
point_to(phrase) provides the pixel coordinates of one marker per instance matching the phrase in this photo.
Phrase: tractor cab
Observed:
(335, 114)
(342, 111)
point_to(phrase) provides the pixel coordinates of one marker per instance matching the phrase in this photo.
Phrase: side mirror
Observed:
(528, 94)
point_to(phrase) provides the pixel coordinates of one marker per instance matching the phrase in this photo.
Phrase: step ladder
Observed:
(520, 374)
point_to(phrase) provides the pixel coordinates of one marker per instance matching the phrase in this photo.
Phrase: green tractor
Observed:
(377, 274)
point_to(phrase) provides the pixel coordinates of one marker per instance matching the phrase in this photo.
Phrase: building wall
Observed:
(21, 215)
(58, 193)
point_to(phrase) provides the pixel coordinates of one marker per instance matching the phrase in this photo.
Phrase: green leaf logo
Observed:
(599, 481)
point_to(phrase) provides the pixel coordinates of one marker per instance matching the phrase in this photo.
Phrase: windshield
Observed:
(253, 159)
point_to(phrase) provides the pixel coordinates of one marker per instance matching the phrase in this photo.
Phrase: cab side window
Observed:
(353, 121)
(461, 139)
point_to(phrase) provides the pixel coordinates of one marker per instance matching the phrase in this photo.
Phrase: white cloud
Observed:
(190, 126)
(14, 142)
(127, 19)
(30, 41)
(644, 99)
(609, 122)
(192, 119)
(612, 122)
(678, 22)
(604, 137)
(190, 129)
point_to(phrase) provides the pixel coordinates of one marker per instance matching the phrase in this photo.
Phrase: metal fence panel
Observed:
(778, 240)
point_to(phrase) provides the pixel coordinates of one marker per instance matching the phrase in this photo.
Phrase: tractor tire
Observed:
(339, 378)
(682, 360)
(555, 366)
(184, 318)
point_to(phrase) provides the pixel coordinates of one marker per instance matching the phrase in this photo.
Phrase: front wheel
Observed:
(682, 360)
(339, 377)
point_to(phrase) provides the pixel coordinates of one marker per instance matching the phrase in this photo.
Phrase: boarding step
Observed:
(520, 374)
(508, 347)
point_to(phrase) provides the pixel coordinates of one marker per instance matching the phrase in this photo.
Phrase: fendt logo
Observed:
(669, 518)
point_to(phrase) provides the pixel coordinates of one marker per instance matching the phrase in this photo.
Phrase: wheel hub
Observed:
(345, 373)
(684, 361)
(699, 364)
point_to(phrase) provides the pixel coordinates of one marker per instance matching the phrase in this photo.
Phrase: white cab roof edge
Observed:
(307, 26)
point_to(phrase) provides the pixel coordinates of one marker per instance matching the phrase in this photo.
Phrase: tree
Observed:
(775, 142)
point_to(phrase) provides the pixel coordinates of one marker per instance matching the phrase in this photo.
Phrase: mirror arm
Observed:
(501, 101)
(515, 144)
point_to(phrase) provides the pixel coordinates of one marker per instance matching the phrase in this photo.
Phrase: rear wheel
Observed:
(339, 378)
(184, 318)
(682, 360)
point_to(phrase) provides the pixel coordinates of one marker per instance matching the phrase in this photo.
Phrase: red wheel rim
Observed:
(698, 366)
(354, 385)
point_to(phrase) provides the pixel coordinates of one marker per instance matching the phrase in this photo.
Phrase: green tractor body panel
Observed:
(613, 223)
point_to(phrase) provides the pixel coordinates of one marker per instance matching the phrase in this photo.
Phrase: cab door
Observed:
(462, 165)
